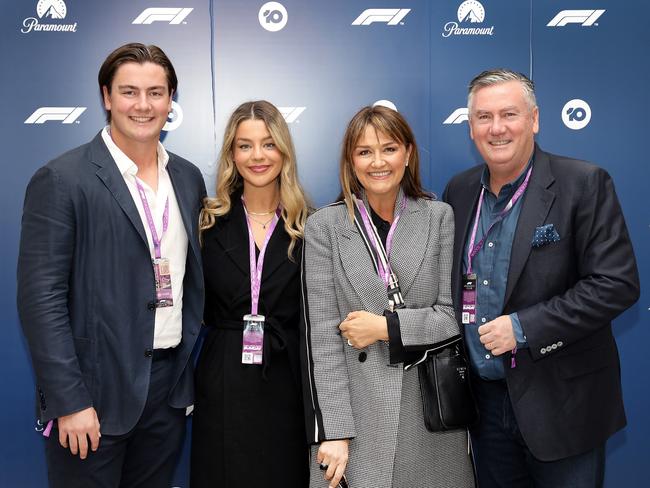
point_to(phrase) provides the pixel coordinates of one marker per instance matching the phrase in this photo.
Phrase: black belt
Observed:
(160, 354)
(271, 329)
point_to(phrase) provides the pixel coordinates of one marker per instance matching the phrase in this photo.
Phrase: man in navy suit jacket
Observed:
(110, 289)
(542, 265)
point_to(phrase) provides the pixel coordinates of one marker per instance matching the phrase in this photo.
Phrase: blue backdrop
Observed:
(320, 62)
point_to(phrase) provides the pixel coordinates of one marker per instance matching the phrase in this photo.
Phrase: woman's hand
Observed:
(333, 458)
(362, 329)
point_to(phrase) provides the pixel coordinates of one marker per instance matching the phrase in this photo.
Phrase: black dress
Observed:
(248, 427)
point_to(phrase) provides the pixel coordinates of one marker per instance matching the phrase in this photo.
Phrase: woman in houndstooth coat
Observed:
(364, 411)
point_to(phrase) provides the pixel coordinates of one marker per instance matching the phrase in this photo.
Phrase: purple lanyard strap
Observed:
(147, 211)
(383, 263)
(256, 267)
(474, 249)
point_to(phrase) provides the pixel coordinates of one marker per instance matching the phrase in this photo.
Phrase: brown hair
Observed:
(394, 125)
(134, 52)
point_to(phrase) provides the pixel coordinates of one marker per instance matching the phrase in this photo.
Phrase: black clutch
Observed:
(447, 398)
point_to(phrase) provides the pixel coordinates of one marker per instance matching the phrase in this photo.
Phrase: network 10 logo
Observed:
(273, 16)
(576, 114)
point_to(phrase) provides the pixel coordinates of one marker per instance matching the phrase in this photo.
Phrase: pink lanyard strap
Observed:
(256, 267)
(383, 255)
(474, 249)
(152, 227)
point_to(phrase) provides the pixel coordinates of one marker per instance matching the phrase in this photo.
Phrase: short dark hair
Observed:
(134, 52)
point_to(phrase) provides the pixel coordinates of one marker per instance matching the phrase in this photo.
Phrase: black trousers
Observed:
(145, 457)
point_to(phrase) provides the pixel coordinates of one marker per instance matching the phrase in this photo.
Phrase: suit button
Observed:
(560, 343)
(151, 306)
(363, 356)
(554, 346)
(543, 350)
(148, 353)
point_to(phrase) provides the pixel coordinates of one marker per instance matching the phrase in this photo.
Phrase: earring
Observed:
(407, 162)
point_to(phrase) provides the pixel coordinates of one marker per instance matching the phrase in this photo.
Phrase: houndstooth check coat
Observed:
(358, 394)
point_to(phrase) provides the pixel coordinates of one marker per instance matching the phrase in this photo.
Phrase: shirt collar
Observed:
(485, 178)
(124, 164)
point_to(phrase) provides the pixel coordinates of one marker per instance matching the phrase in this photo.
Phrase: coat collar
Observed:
(407, 253)
(109, 173)
(231, 234)
(536, 204)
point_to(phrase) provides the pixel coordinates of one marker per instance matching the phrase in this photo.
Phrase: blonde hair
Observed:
(394, 125)
(292, 196)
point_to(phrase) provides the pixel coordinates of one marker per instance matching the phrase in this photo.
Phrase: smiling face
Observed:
(257, 158)
(139, 102)
(379, 163)
(503, 127)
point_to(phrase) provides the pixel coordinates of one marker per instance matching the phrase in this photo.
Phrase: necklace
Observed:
(263, 224)
(259, 214)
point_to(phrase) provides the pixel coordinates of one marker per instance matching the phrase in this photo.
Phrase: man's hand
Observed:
(362, 328)
(497, 335)
(333, 458)
(75, 430)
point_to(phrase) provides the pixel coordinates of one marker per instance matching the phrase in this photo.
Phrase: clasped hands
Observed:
(497, 336)
(362, 329)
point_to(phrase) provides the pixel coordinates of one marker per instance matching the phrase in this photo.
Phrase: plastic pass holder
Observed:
(253, 339)
(163, 279)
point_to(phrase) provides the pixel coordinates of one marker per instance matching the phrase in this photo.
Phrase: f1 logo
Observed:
(390, 16)
(174, 15)
(458, 116)
(291, 114)
(585, 17)
(66, 114)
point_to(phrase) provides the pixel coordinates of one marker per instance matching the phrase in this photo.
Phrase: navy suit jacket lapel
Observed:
(110, 175)
(536, 204)
(186, 203)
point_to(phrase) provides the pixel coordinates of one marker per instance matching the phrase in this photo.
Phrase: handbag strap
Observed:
(438, 346)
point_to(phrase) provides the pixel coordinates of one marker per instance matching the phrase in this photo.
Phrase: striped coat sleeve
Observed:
(327, 394)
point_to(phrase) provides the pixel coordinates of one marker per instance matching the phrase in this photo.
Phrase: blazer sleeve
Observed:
(608, 280)
(47, 244)
(326, 367)
(432, 324)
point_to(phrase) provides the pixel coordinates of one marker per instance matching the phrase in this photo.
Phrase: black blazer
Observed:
(565, 389)
(86, 287)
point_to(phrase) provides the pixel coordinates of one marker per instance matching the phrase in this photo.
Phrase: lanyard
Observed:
(152, 227)
(474, 249)
(256, 268)
(382, 264)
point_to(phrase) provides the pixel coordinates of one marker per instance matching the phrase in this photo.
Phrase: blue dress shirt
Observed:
(491, 266)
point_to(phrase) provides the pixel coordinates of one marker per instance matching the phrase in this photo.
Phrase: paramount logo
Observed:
(469, 12)
(46, 10)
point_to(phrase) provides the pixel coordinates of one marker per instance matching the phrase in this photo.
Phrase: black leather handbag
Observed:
(447, 398)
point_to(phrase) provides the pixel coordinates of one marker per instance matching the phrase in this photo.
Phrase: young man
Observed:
(110, 286)
(542, 265)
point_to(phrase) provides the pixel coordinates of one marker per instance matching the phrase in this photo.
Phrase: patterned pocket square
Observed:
(545, 234)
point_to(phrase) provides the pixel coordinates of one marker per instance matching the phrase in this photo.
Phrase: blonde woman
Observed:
(248, 426)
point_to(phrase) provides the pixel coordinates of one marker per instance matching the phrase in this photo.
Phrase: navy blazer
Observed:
(86, 287)
(565, 388)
